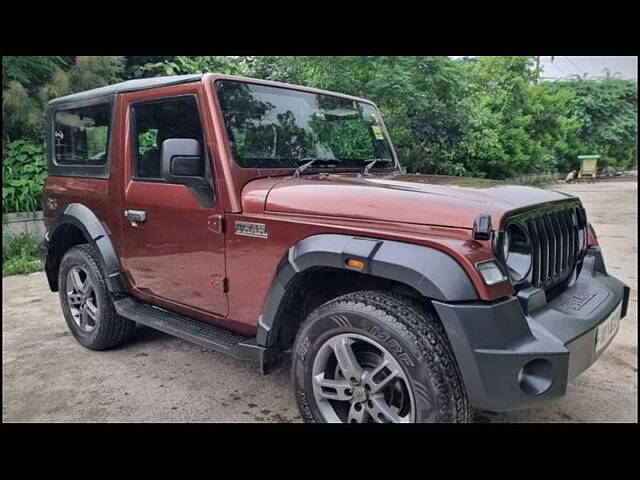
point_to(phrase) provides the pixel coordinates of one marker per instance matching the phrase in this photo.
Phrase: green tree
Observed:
(28, 84)
(515, 125)
(607, 110)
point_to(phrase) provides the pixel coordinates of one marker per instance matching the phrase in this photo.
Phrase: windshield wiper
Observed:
(308, 162)
(372, 163)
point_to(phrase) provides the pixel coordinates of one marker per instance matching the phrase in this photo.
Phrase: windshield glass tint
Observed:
(270, 127)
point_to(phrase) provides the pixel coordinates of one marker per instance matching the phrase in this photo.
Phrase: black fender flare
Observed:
(83, 218)
(431, 272)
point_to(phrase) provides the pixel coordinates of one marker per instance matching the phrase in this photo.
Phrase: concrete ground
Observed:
(48, 377)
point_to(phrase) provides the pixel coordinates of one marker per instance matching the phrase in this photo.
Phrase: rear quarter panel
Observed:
(96, 194)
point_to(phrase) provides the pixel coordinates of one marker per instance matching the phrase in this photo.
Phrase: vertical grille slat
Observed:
(535, 240)
(572, 237)
(544, 258)
(562, 243)
(566, 229)
(552, 246)
(554, 241)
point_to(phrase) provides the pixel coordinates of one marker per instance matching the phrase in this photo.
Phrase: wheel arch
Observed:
(416, 270)
(75, 225)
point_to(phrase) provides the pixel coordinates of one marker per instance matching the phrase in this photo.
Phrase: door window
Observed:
(156, 121)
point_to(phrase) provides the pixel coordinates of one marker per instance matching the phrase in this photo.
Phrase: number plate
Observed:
(607, 329)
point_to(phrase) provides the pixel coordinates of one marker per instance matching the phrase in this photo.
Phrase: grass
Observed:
(20, 254)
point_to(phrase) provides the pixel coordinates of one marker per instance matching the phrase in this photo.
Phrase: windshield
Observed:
(271, 127)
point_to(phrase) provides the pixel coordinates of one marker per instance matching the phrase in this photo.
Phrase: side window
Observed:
(81, 135)
(156, 121)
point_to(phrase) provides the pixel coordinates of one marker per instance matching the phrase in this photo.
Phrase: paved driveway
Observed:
(48, 377)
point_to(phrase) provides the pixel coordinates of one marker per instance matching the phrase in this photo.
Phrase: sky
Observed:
(566, 66)
(563, 66)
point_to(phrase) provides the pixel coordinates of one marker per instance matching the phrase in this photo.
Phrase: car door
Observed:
(171, 234)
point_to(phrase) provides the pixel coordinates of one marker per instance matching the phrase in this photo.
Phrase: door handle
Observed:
(135, 216)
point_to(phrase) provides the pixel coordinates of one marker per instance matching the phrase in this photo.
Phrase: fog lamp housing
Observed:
(490, 272)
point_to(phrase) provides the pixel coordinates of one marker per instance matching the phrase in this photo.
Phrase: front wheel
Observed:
(376, 357)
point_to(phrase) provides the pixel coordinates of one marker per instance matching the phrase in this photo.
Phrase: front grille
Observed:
(558, 236)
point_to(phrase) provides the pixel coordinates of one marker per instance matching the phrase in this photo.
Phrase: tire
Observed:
(423, 380)
(90, 315)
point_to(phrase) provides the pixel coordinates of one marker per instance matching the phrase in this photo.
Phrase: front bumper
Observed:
(522, 351)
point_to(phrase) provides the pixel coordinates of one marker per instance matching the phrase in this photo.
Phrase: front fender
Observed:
(431, 272)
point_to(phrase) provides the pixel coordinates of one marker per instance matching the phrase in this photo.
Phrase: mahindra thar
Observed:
(263, 220)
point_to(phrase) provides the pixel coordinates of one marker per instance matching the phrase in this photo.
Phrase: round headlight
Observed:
(505, 245)
(517, 252)
(582, 238)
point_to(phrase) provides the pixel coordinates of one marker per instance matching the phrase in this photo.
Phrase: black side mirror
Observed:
(182, 161)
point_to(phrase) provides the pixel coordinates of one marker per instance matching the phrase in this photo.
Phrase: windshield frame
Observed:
(393, 165)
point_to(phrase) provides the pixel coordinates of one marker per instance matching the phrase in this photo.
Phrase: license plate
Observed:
(607, 329)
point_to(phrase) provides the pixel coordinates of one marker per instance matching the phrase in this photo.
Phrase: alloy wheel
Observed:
(82, 299)
(357, 380)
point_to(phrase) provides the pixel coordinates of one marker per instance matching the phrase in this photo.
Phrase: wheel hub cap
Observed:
(359, 394)
(357, 380)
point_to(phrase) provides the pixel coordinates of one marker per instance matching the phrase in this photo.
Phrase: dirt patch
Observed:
(48, 377)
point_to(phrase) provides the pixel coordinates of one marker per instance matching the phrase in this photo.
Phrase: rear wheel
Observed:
(86, 302)
(376, 357)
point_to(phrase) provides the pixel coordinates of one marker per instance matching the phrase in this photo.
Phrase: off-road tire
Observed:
(111, 329)
(410, 330)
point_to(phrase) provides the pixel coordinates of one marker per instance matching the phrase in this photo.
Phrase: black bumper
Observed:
(523, 351)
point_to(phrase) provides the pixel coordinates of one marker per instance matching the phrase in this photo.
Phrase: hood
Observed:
(417, 199)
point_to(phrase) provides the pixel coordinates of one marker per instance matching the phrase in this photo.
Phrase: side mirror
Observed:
(182, 161)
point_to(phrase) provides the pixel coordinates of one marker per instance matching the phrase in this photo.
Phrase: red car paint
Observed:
(184, 259)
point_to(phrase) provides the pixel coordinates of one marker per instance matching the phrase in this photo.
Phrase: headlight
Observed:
(505, 245)
(582, 238)
(517, 252)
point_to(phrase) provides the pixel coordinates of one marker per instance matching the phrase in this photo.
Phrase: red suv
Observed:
(263, 220)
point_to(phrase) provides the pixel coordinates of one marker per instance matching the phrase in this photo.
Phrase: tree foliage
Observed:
(486, 116)
(607, 113)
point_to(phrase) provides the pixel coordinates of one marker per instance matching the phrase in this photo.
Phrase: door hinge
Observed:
(221, 284)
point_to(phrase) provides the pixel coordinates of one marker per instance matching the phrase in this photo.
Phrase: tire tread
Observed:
(418, 323)
(114, 329)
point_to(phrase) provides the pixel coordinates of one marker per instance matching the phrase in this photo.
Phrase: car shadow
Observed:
(147, 335)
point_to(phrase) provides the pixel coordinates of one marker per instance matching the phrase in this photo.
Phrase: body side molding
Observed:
(431, 272)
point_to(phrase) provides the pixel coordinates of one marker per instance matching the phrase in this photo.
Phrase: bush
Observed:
(20, 254)
(24, 170)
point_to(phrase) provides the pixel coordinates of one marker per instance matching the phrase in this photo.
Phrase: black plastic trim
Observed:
(87, 222)
(196, 331)
(431, 272)
(496, 342)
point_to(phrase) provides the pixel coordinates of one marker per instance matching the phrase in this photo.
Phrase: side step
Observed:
(215, 338)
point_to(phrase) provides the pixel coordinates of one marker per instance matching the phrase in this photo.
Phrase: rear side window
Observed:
(81, 135)
(157, 121)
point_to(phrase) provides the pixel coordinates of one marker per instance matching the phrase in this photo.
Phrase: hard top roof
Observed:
(154, 82)
(128, 86)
